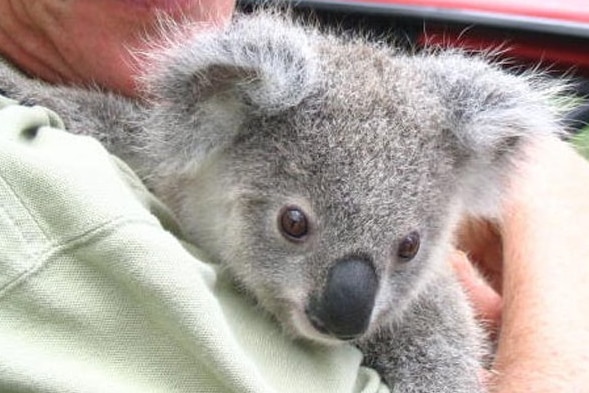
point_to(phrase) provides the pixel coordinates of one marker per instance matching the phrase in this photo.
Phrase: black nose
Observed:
(344, 308)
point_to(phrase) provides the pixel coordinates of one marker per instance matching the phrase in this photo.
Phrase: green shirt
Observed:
(97, 294)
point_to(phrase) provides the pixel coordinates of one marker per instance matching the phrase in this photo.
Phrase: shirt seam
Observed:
(26, 208)
(67, 244)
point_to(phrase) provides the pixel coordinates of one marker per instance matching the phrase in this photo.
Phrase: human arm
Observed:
(537, 258)
(93, 43)
(545, 330)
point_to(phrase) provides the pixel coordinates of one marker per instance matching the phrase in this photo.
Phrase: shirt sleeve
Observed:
(98, 293)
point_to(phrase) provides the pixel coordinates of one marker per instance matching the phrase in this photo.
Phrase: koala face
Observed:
(326, 175)
(333, 223)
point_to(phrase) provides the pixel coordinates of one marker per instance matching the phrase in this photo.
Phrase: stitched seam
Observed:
(24, 206)
(17, 230)
(75, 241)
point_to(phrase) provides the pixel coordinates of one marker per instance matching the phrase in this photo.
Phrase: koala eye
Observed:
(293, 223)
(409, 246)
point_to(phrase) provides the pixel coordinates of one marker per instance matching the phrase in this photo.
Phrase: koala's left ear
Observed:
(202, 87)
(489, 109)
(264, 60)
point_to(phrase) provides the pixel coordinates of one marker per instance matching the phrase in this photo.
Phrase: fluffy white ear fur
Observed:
(211, 82)
(493, 108)
(267, 59)
(494, 114)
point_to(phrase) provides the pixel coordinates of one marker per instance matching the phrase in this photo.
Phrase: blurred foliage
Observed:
(581, 142)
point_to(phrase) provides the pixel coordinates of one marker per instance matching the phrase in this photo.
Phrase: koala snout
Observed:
(343, 310)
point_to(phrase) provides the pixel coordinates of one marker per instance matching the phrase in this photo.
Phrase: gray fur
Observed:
(372, 144)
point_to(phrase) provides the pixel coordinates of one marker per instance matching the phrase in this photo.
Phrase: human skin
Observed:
(537, 259)
(87, 42)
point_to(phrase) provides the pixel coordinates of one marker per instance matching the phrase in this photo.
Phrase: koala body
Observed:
(326, 174)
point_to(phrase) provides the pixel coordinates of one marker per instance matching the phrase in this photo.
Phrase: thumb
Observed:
(486, 302)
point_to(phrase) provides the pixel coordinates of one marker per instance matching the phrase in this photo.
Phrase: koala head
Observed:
(326, 174)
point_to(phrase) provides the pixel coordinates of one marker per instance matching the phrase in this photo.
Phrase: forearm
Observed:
(545, 331)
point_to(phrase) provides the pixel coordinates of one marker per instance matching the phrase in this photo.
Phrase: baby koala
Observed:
(326, 174)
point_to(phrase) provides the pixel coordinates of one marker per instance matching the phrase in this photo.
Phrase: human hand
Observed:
(535, 259)
(479, 264)
(93, 42)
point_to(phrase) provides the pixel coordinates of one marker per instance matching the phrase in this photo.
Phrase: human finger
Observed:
(486, 301)
(481, 241)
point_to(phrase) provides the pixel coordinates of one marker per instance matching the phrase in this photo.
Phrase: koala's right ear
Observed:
(490, 115)
(261, 63)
